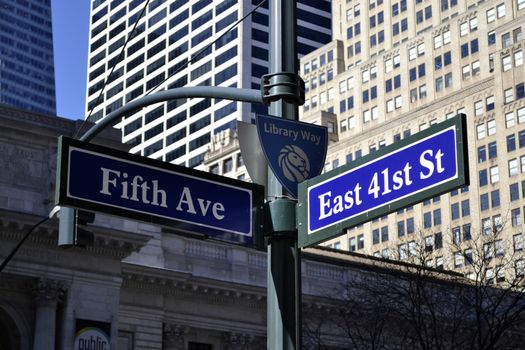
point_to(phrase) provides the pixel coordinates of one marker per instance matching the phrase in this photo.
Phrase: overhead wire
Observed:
(200, 52)
(119, 57)
(192, 60)
(26, 236)
(130, 36)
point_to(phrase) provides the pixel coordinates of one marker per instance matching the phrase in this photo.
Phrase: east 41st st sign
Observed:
(422, 166)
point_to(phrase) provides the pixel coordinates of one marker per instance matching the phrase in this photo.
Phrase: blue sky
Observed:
(70, 40)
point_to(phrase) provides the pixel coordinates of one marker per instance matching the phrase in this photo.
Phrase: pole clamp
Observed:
(280, 217)
(286, 86)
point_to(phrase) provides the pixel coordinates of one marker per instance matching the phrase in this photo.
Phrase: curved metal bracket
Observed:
(235, 94)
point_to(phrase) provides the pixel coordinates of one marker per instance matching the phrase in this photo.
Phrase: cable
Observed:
(130, 36)
(172, 74)
(10, 256)
(206, 47)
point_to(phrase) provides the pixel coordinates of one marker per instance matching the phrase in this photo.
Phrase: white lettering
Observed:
(186, 199)
(439, 155)
(156, 193)
(186, 203)
(427, 164)
(106, 180)
(111, 177)
(134, 187)
(324, 204)
(204, 205)
(218, 210)
(406, 169)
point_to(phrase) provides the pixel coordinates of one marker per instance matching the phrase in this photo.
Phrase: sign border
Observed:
(66, 144)
(307, 239)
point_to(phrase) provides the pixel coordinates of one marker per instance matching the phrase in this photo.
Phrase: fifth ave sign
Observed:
(421, 166)
(101, 179)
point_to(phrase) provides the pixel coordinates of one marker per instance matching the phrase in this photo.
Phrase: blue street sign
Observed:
(294, 150)
(423, 166)
(105, 180)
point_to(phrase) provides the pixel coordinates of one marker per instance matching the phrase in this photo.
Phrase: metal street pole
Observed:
(283, 296)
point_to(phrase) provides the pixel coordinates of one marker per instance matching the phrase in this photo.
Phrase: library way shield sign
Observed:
(427, 164)
(101, 179)
(295, 151)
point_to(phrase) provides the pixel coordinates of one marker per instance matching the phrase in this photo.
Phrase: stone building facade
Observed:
(147, 286)
(397, 68)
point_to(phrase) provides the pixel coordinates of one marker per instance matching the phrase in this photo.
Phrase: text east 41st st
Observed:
(383, 182)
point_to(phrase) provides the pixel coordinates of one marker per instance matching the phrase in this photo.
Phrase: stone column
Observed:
(173, 337)
(47, 293)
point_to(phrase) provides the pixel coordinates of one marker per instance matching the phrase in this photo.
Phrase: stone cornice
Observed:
(19, 115)
(49, 126)
(108, 242)
(169, 282)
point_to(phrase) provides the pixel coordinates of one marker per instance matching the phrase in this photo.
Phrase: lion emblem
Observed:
(294, 163)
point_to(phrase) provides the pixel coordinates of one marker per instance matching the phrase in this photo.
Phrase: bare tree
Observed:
(408, 304)
(495, 295)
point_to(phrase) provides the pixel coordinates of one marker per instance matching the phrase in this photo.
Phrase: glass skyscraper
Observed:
(27, 76)
(170, 33)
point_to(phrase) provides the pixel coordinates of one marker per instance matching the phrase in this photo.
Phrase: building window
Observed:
(500, 9)
(375, 236)
(465, 208)
(518, 58)
(493, 150)
(521, 138)
(438, 240)
(463, 29)
(508, 95)
(481, 131)
(454, 211)
(458, 260)
(482, 154)
(410, 225)
(514, 192)
(518, 242)
(520, 91)
(360, 241)
(491, 15)
(511, 143)
(494, 174)
(484, 201)
(513, 167)
(439, 84)
(509, 120)
(506, 40)
(490, 103)
(478, 108)
(423, 91)
(483, 178)
(499, 248)
(515, 215)
(448, 80)
(506, 62)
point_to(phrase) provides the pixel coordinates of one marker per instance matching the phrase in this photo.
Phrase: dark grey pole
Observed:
(283, 303)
